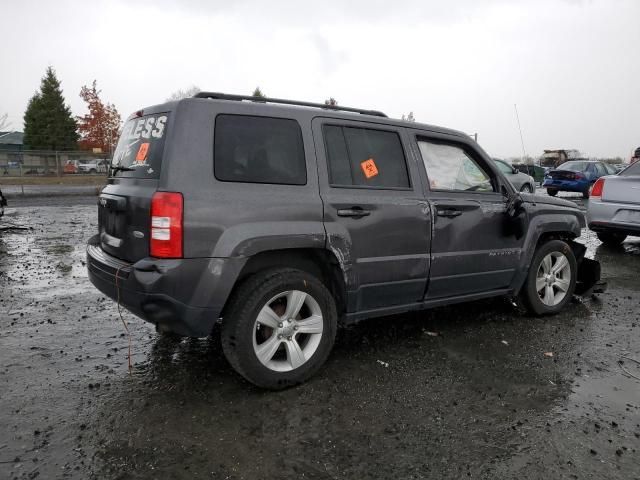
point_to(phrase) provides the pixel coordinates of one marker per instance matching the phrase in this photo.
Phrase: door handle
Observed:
(448, 212)
(355, 212)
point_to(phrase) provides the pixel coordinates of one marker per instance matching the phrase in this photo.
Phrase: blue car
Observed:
(576, 176)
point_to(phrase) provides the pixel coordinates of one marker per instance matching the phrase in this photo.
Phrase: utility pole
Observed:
(524, 153)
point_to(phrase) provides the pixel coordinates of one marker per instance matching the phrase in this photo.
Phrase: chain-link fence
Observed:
(51, 163)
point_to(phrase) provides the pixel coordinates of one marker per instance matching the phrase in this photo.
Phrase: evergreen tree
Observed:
(48, 123)
(331, 102)
(258, 93)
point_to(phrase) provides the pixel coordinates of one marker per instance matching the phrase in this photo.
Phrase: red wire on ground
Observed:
(122, 319)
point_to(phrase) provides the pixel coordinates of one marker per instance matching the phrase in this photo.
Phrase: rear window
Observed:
(139, 150)
(574, 166)
(259, 150)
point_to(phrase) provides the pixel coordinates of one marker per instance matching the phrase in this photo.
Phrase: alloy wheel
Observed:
(287, 331)
(553, 278)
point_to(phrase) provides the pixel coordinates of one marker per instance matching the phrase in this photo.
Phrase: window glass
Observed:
(574, 166)
(450, 168)
(365, 157)
(504, 168)
(259, 150)
(139, 150)
(338, 156)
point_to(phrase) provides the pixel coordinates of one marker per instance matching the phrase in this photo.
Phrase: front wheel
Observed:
(611, 239)
(279, 328)
(551, 279)
(552, 192)
(526, 188)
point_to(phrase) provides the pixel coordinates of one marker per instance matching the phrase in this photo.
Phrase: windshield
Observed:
(139, 150)
(574, 166)
(631, 170)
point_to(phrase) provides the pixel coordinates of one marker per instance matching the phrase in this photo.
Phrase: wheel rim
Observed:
(553, 278)
(287, 331)
(526, 189)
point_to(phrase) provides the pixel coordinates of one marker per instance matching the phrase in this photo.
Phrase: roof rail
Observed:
(226, 96)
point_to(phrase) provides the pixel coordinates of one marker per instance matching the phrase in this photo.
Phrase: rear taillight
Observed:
(596, 190)
(166, 225)
(579, 176)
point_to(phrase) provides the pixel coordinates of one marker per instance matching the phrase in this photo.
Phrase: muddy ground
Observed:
(479, 400)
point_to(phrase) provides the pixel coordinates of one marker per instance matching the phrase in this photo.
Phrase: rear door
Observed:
(472, 249)
(375, 215)
(124, 204)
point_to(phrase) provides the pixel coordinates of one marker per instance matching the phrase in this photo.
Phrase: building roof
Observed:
(11, 138)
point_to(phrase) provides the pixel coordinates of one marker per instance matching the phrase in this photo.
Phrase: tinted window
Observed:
(366, 157)
(450, 168)
(259, 150)
(139, 150)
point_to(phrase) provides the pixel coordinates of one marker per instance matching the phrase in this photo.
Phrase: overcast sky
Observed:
(571, 66)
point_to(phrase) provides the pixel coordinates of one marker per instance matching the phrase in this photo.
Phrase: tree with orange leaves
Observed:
(100, 128)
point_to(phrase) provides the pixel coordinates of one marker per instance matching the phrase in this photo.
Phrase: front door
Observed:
(472, 249)
(377, 221)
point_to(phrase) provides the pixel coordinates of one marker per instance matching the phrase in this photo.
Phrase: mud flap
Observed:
(588, 280)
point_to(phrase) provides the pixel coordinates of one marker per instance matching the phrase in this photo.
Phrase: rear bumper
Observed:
(566, 185)
(613, 217)
(185, 296)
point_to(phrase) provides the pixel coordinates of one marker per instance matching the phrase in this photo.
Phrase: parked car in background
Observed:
(614, 207)
(636, 156)
(70, 167)
(523, 182)
(92, 166)
(576, 176)
(536, 171)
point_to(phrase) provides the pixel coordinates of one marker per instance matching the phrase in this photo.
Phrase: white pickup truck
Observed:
(92, 166)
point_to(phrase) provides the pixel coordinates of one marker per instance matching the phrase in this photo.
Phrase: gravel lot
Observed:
(477, 400)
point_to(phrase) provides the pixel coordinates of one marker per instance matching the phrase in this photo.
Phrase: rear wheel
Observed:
(552, 191)
(551, 279)
(279, 328)
(585, 193)
(611, 239)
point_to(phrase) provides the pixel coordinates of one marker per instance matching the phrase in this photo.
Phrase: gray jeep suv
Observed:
(278, 219)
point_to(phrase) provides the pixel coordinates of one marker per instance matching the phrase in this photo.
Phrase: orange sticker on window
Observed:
(142, 152)
(369, 168)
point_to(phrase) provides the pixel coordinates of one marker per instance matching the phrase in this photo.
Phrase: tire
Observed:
(562, 283)
(526, 188)
(552, 192)
(92, 171)
(289, 355)
(585, 194)
(611, 239)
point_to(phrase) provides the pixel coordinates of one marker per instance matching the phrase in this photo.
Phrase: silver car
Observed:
(614, 206)
(523, 182)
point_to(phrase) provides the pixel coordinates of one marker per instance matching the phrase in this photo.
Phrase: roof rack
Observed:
(226, 96)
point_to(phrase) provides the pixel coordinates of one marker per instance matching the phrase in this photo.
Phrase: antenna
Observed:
(524, 153)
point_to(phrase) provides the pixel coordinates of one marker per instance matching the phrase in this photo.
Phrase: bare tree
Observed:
(186, 93)
(409, 117)
(331, 101)
(5, 124)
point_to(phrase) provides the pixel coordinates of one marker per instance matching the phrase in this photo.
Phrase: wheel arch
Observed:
(319, 262)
